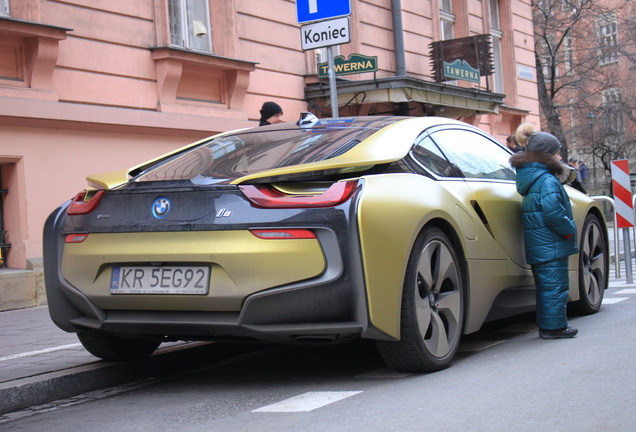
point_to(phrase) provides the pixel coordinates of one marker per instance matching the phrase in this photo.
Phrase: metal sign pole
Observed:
(628, 256)
(333, 90)
(617, 247)
(325, 14)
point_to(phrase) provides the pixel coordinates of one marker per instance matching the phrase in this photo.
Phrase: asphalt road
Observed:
(504, 379)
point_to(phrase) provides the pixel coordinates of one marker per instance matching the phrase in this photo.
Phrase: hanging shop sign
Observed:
(466, 59)
(461, 70)
(355, 64)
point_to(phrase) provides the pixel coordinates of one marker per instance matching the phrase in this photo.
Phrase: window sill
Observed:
(192, 82)
(29, 55)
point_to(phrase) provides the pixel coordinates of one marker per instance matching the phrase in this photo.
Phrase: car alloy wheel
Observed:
(593, 266)
(432, 307)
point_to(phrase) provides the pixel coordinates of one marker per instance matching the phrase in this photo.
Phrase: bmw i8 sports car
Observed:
(399, 229)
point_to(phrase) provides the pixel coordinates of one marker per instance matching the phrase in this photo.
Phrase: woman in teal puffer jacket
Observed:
(548, 227)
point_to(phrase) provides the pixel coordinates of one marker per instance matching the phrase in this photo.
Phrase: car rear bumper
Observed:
(326, 305)
(240, 265)
(175, 325)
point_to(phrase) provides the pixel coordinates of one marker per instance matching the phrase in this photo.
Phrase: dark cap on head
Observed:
(543, 142)
(270, 109)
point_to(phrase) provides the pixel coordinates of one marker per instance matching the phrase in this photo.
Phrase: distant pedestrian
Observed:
(271, 113)
(576, 182)
(584, 173)
(512, 144)
(549, 230)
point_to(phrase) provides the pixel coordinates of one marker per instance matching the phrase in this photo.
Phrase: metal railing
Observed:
(617, 256)
(4, 247)
(610, 201)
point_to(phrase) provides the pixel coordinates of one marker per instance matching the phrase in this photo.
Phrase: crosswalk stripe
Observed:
(307, 401)
(626, 291)
(613, 300)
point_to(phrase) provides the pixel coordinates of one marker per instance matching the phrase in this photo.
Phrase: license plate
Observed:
(160, 280)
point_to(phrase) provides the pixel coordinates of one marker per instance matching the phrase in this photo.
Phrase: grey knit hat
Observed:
(543, 142)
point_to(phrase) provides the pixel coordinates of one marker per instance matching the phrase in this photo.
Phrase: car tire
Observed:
(432, 314)
(593, 267)
(116, 348)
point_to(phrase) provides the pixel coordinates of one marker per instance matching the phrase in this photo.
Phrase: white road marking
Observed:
(613, 300)
(168, 347)
(307, 401)
(626, 291)
(38, 352)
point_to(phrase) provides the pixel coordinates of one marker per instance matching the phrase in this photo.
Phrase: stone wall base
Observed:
(21, 289)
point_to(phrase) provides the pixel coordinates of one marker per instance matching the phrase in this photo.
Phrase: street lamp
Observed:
(591, 117)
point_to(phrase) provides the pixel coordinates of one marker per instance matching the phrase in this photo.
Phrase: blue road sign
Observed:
(315, 10)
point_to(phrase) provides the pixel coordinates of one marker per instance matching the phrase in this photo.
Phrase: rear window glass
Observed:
(226, 158)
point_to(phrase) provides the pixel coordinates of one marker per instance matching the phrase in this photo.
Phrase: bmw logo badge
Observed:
(161, 207)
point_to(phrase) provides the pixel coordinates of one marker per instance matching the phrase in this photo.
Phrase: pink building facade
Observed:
(89, 86)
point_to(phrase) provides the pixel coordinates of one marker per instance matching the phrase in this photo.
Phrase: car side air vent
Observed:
(343, 149)
(481, 215)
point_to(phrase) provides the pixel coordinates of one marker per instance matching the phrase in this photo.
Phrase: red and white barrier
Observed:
(622, 194)
(624, 210)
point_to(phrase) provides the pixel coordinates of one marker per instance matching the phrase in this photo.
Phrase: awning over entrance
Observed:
(403, 96)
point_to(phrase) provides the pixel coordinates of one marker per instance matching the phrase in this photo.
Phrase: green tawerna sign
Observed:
(357, 63)
(461, 70)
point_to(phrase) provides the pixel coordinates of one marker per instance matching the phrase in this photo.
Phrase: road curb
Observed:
(40, 389)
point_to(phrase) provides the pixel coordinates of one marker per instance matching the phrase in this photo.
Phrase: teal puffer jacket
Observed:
(549, 230)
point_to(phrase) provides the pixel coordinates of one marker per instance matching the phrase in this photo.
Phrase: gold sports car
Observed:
(399, 229)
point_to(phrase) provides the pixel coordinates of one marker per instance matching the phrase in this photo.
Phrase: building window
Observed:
(4, 7)
(190, 24)
(322, 57)
(495, 36)
(550, 69)
(28, 56)
(568, 56)
(321, 53)
(613, 108)
(549, 60)
(447, 19)
(607, 33)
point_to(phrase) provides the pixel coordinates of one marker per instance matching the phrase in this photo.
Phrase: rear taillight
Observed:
(282, 234)
(76, 238)
(84, 202)
(269, 197)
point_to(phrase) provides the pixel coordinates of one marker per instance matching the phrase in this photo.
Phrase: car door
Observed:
(478, 241)
(483, 164)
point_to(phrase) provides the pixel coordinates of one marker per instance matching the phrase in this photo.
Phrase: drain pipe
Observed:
(398, 38)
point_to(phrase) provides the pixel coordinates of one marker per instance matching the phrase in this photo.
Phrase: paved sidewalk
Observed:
(33, 345)
(40, 363)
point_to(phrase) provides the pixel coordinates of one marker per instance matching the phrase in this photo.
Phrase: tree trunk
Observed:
(550, 112)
